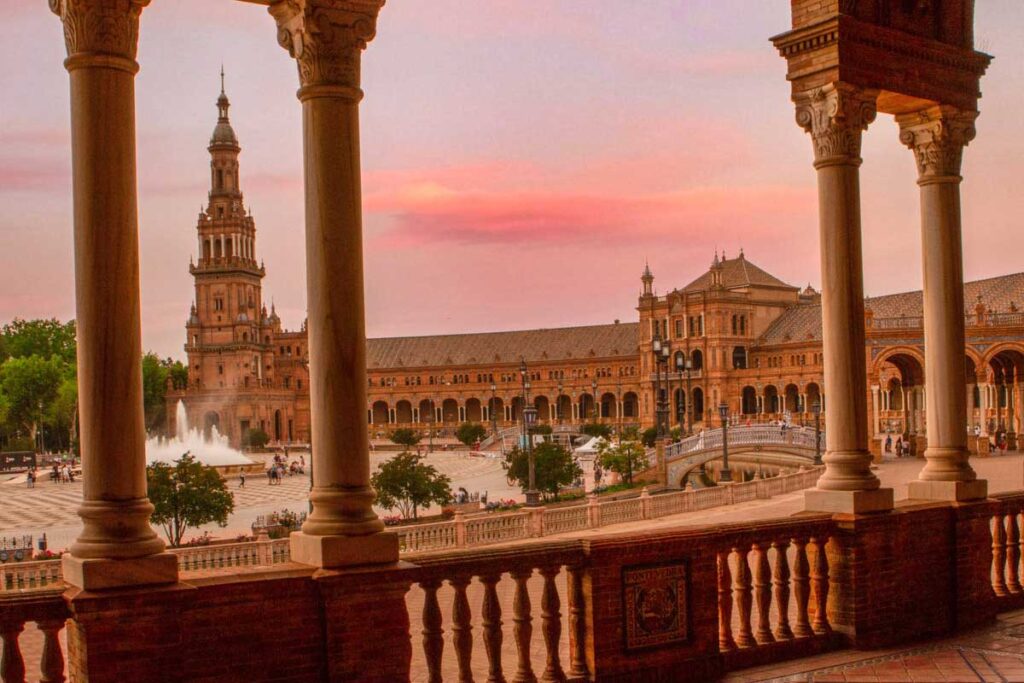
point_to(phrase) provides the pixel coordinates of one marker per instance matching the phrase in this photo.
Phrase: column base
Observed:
(954, 491)
(850, 502)
(344, 551)
(94, 574)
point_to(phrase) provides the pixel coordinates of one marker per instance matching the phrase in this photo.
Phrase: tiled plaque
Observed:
(655, 605)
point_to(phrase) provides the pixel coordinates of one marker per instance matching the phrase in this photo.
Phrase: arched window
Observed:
(697, 359)
(739, 358)
(220, 179)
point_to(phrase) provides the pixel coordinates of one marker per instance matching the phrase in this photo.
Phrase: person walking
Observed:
(30, 479)
(241, 480)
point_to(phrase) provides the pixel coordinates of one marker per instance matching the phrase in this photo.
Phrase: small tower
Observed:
(716, 270)
(648, 279)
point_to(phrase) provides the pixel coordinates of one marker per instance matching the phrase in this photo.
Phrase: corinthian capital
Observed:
(835, 115)
(937, 136)
(100, 27)
(326, 37)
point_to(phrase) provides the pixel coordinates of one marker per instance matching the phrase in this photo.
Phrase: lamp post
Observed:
(558, 404)
(529, 417)
(661, 354)
(816, 409)
(494, 400)
(723, 412)
(593, 386)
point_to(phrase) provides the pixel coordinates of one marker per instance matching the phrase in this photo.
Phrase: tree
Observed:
(649, 436)
(45, 338)
(405, 483)
(470, 432)
(597, 429)
(403, 436)
(187, 494)
(624, 458)
(554, 467)
(155, 373)
(256, 438)
(29, 385)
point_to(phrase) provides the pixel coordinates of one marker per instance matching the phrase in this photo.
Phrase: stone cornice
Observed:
(937, 136)
(107, 30)
(835, 115)
(326, 38)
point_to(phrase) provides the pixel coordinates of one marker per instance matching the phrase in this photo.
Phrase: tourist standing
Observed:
(241, 480)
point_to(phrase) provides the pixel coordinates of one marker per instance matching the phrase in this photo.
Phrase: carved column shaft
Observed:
(101, 37)
(326, 38)
(835, 116)
(937, 136)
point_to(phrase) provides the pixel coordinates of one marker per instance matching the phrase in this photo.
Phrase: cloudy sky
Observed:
(522, 158)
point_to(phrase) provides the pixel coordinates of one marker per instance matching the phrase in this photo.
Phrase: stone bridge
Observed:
(769, 444)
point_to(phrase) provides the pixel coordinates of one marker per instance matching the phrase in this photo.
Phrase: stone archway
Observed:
(474, 410)
(380, 413)
(449, 411)
(748, 403)
(630, 405)
(403, 412)
(608, 407)
(771, 399)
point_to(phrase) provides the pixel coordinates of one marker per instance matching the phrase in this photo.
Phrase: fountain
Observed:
(214, 451)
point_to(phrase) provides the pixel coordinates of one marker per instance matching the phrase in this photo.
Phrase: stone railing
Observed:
(765, 600)
(742, 435)
(488, 528)
(19, 576)
(45, 609)
(1007, 551)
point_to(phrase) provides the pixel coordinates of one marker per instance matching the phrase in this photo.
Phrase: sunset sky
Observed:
(522, 158)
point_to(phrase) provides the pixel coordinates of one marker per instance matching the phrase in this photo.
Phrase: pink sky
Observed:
(522, 159)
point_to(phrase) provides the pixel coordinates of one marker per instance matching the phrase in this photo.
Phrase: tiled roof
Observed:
(804, 322)
(737, 272)
(488, 348)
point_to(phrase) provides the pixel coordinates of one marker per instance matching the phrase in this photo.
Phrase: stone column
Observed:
(117, 546)
(835, 115)
(937, 137)
(326, 38)
(876, 417)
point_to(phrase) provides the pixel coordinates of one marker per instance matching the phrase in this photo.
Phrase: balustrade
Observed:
(49, 613)
(1007, 548)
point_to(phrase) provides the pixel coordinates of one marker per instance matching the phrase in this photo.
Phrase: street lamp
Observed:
(558, 403)
(723, 412)
(661, 354)
(816, 409)
(593, 386)
(529, 417)
(494, 400)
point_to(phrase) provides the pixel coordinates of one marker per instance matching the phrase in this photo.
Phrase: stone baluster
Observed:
(999, 555)
(551, 625)
(780, 581)
(725, 641)
(836, 115)
(327, 38)
(433, 633)
(12, 665)
(741, 597)
(1013, 552)
(763, 593)
(522, 629)
(117, 546)
(937, 137)
(490, 614)
(819, 584)
(801, 588)
(462, 628)
(51, 662)
(577, 626)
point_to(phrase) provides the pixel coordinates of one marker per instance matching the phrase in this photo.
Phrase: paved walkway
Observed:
(992, 654)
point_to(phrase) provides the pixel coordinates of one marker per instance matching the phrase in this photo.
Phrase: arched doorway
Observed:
(739, 358)
(1007, 367)
(497, 409)
(474, 411)
(543, 407)
(697, 403)
(771, 399)
(749, 401)
(813, 393)
(211, 422)
(697, 359)
(380, 413)
(426, 411)
(630, 406)
(564, 411)
(906, 406)
(403, 412)
(792, 398)
(517, 408)
(586, 407)
(450, 411)
(608, 405)
(277, 425)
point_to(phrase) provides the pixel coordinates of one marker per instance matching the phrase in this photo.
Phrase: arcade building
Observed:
(736, 335)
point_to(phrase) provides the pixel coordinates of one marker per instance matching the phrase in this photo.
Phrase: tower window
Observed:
(220, 179)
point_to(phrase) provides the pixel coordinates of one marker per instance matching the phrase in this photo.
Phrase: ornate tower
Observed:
(227, 333)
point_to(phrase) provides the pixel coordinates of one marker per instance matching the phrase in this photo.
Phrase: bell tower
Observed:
(227, 333)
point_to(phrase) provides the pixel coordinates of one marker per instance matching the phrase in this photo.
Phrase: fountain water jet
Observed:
(214, 451)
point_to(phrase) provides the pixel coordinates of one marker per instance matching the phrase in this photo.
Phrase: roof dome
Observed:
(223, 133)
